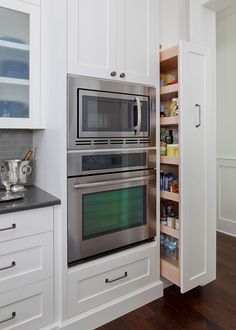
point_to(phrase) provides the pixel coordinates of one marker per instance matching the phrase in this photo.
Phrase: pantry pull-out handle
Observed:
(116, 279)
(198, 115)
(13, 315)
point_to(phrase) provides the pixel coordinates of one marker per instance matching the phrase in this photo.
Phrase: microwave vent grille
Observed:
(117, 141)
(97, 142)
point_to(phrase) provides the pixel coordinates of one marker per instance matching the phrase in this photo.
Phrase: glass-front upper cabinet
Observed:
(19, 65)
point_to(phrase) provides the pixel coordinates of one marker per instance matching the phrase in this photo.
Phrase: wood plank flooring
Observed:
(210, 307)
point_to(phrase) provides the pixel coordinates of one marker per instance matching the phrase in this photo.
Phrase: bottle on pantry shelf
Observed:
(173, 108)
(173, 250)
(169, 138)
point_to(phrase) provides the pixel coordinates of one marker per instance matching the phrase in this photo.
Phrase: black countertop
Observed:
(34, 198)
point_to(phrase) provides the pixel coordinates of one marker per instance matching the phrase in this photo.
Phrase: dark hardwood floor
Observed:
(210, 307)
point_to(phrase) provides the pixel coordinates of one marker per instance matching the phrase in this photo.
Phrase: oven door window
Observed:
(103, 113)
(112, 211)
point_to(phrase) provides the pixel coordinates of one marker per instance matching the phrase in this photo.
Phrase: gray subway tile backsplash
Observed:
(14, 144)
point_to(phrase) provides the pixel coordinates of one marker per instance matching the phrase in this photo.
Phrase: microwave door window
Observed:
(103, 114)
(111, 211)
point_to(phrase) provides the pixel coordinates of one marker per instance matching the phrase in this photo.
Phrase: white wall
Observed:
(226, 118)
(226, 74)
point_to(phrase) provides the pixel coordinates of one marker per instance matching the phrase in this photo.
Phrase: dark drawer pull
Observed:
(13, 226)
(116, 279)
(13, 315)
(13, 264)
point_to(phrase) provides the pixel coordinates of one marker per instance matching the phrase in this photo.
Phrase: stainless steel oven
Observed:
(111, 201)
(106, 114)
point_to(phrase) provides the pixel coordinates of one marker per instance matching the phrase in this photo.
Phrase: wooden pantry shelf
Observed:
(169, 121)
(169, 59)
(170, 270)
(169, 92)
(169, 53)
(169, 195)
(169, 160)
(170, 231)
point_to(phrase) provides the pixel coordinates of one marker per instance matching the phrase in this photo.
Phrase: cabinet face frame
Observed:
(34, 120)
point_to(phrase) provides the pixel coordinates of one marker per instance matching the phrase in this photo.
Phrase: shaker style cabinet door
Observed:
(197, 178)
(138, 45)
(92, 38)
(19, 65)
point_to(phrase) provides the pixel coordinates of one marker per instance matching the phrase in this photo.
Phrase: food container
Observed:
(172, 150)
(171, 222)
(177, 224)
(163, 149)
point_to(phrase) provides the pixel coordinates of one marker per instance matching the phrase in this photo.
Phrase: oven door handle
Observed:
(113, 182)
(137, 127)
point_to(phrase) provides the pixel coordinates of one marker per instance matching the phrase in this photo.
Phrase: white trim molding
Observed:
(226, 197)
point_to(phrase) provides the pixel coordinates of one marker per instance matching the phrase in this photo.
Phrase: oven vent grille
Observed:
(91, 142)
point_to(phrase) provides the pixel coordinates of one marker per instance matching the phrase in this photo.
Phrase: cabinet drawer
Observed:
(27, 308)
(105, 279)
(25, 223)
(26, 260)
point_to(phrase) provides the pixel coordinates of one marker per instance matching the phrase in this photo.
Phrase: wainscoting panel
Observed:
(226, 172)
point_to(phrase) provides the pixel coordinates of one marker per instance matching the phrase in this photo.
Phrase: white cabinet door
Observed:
(92, 37)
(138, 41)
(198, 202)
(20, 65)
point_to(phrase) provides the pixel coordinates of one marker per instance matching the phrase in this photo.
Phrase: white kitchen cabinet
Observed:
(93, 284)
(118, 41)
(26, 269)
(195, 202)
(92, 45)
(137, 41)
(27, 308)
(19, 65)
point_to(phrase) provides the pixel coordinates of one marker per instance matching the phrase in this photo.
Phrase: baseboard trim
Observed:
(226, 227)
(224, 232)
(114, 309)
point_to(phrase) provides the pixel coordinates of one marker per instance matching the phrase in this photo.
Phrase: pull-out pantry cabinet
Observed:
(194, 203)
(113, 39)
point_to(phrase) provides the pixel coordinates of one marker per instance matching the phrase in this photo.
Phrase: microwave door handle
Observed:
(137, 127)
(112, 182)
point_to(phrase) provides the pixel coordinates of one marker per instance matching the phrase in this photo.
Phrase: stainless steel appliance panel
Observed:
(81, 247)
(99, 162)
(122, 135)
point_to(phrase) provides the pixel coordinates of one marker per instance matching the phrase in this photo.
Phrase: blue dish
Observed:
(13, 109)
(12, 39)
(15, 69)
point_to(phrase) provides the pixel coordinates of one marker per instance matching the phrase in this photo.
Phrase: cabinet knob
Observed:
(113, 73)
(122, 75)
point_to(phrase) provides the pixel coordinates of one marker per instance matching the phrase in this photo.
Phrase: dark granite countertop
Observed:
(34, 198)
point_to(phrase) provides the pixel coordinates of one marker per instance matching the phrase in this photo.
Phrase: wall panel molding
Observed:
(226, 195)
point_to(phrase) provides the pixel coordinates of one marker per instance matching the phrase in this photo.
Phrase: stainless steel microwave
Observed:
(105, 114)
